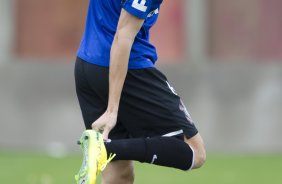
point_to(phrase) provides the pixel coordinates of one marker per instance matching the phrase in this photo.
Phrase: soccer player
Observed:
(133, 111)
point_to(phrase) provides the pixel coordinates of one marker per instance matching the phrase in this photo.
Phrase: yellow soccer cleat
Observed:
(94, 157)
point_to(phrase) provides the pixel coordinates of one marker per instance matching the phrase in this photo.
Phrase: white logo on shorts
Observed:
(171, 88)
(184, 109)
(155, 157)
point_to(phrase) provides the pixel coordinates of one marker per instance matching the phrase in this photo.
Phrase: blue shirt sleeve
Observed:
(141, 8)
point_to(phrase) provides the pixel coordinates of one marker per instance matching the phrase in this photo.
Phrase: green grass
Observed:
(24, 168)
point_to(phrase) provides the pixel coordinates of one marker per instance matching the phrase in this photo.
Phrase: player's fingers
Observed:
(106, 133)
(96, 126)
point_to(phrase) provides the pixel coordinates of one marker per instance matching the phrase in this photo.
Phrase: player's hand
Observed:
(105, 124)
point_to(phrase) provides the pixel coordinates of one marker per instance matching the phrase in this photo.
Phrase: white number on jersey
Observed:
(140, 5)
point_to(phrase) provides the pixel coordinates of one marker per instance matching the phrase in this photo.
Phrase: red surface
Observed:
(246, 29)
(169, 33)
(50, 28)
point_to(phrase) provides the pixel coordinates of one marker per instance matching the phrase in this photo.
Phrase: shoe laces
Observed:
(103, 166)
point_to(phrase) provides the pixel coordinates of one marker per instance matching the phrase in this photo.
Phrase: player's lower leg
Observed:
(118, 172)
(163, 151)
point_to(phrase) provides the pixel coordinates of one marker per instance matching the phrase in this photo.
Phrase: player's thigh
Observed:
(197, 144)
(91, 92)
(118, 172)
(150, 106)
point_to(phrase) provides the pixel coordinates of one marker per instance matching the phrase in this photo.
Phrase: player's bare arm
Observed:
(127, 29)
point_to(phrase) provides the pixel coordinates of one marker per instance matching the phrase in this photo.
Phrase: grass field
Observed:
(24, 168)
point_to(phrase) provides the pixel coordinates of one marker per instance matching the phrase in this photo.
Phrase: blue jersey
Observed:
(101, 24)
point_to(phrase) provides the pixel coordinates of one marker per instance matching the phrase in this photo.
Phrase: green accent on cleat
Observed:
(94, 157)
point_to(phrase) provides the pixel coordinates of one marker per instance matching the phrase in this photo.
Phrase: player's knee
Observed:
(197, 144)
(199, 157)
(127, 176)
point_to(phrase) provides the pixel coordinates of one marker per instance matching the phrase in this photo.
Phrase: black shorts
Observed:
(149, 106)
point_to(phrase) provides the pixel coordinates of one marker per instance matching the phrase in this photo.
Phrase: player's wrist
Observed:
(112, 110)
